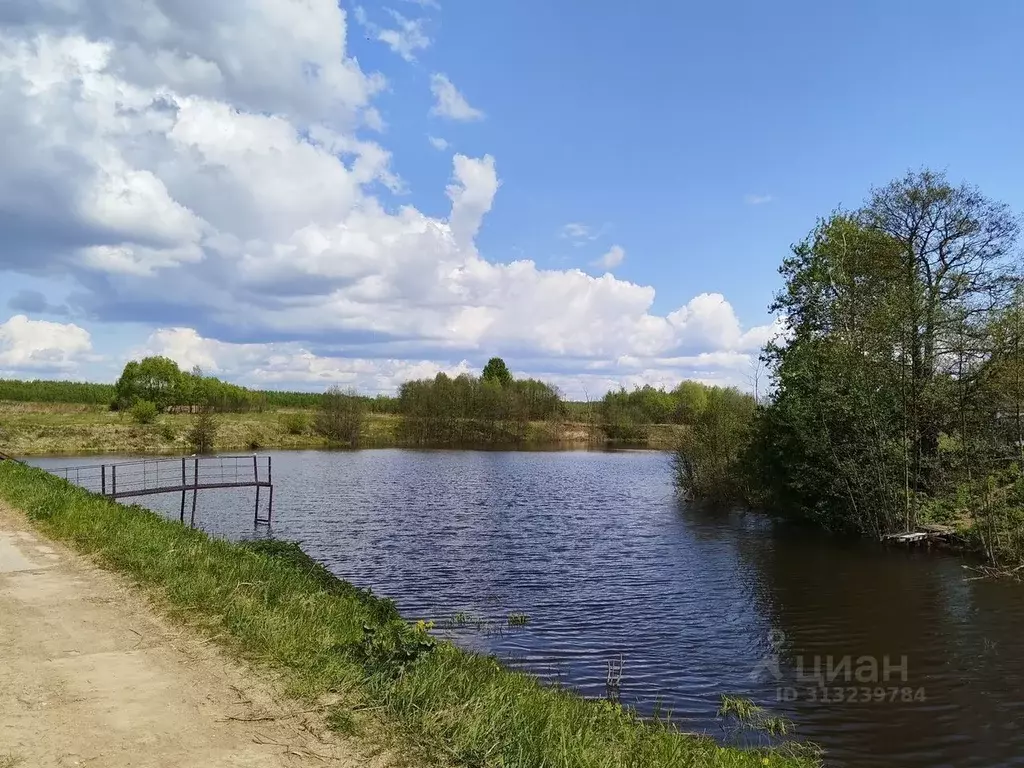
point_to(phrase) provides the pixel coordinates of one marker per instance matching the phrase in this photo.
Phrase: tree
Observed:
(468, 410)
(691, 399)
(156, 379)
(898, 385)
(340, 417)
(956, 249)
(707, 459)
(890, 312)
(203, 433)
(830, 445)
(497, 371)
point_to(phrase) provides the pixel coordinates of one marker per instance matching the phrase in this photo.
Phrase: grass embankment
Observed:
(344, 647)
(34, 429)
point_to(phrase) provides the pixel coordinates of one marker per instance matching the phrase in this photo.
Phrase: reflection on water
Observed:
(597, 552)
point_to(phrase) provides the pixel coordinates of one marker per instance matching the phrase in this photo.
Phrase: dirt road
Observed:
(90, 675)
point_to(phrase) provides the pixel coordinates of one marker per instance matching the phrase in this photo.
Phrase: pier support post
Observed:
(195, 493)
(184, 482)
(256, 479)
(270, 479)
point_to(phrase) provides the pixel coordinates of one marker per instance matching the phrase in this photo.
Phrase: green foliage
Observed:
(497, 371)
(340, 417)
(294, 423)
(390, 649)
(168, 432)
(202, 435)
(254, 439)
(143, 412)
(159, 380)
(285, 612)
(708, 460)
(39, 391)
(621, 420)
(467, 410)
(156, 379)
(626, 415)
(211, 393)
(744, 720)
(691, 397)
(898, 391)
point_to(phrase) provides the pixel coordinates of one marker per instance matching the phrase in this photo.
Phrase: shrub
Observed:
(168, 431)
(295, 423)
(340, 417)
(708, 460)
(143, 412)
(253, 438)
(203, 433)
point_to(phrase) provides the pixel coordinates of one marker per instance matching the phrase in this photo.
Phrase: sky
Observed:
(296, 194)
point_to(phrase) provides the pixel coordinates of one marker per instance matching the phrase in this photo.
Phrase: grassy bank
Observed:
(335, 643)
(28, 429)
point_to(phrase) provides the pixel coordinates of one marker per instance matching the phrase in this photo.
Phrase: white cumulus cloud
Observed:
(208, 168)
(612, 258)
(278, 364)
(449, 102)
(405, 38)
(37, 346)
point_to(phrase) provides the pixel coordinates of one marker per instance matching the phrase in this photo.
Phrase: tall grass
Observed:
(275, 606)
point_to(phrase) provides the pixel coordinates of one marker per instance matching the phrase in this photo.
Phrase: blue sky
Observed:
(701, 140)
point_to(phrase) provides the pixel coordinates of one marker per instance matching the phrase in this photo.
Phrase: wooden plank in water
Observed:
(905, 538)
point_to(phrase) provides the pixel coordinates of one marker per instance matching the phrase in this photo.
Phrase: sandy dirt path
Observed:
(90, 675)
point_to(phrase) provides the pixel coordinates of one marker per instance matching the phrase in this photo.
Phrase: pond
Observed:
(595, 550)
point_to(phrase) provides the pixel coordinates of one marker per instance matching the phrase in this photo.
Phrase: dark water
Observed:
(597, 552)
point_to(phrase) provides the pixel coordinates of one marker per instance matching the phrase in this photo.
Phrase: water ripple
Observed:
(594, 549)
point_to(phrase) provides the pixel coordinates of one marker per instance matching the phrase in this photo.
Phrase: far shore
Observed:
(57, 429)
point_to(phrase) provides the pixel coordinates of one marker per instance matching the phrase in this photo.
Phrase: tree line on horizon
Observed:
(494, 407)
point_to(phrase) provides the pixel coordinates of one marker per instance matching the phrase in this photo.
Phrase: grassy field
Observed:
(348, 650)
(34, 429)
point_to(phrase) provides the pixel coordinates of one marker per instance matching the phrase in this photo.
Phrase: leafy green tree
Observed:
(497, 371)
(896, 385)
(623, 418)
(708, 460)
(691, 399)
(957, 257)
(467, 410)
(156, 379)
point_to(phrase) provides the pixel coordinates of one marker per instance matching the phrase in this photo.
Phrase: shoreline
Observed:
(45, 429)
(272, 605)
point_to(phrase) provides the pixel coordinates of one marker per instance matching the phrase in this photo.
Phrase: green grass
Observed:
(333, 642)
(39, 429)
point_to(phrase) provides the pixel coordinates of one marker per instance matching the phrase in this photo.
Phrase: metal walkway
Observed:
(147, 477)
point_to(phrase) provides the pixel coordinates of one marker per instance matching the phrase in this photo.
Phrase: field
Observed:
(35, 429)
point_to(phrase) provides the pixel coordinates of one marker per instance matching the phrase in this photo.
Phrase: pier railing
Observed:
(147, 477)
